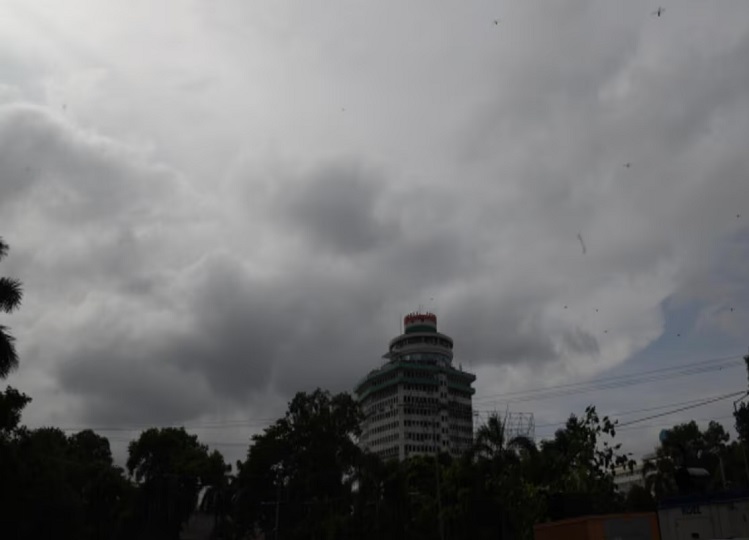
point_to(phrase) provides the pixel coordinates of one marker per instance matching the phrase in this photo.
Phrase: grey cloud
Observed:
(475, 162)
(578, 341)
(242, 336)
(336, 206)
(122, 384)
(503, 330)
(295, 332)
(72, 175)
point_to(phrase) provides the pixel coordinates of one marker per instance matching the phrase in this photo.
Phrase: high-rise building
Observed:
(417, 403)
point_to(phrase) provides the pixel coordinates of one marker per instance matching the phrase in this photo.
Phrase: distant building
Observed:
(417, 403)
(625, 479)
(705, 516)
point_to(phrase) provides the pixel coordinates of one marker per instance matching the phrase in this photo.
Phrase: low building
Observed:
(705, 516)
(626, 478)
(638, 526)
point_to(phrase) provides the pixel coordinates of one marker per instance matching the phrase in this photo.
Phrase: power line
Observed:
(611, 386)
(686, 407)
(646, 409)
(620, 381)
(663, 425)
(534, 394)
(626, 426)
(209, 443)
(614, 377)
(259, 423)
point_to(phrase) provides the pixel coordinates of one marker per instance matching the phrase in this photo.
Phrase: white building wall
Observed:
(708, 521)
(420, 416)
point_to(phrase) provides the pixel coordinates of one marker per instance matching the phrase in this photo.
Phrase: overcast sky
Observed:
(213, 205)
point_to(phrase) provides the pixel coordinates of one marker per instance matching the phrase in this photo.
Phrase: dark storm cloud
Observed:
(244, 336)
(117, 388)
(156, 287)
(504, 330)
(580, 342)
(74, 176)
(336, 206)
(294, 332)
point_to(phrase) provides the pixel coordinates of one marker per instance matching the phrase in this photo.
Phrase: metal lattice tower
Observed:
(517, 424)
(520, 424)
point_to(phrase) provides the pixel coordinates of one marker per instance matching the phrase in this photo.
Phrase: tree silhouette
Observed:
(11, 293)
(492, 441)
(171, 466)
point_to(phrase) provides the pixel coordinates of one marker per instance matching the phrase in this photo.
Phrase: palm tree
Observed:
(504, 461)
(10, 298)
(492, 442)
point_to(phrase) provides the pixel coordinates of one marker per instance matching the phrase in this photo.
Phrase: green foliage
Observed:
(577, 466)
(741, 417)
(640, 499)
(687, 446)
(500, 490)
(12, 403)
(302, 466)
(54, 487)
(11, 293)
(171, 466)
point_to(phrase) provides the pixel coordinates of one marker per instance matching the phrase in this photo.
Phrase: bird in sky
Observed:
(580, 237)
(628, 164)
(496, 22)
(658, 12)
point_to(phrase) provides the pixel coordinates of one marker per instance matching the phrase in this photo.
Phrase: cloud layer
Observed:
(211, 216)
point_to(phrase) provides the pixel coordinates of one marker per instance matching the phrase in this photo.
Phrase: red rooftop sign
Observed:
(420, 317)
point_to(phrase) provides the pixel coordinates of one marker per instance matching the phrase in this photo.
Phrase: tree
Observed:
(301, 466)
(492, 441)
(53, 487)
(741, 416)
(12, 403)
(578, 466)
(660, 476)
(687, 446)
(101, 486)
(501, 462)
(11, 293)
(170, 466)
(640, 499)
(741, 413)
